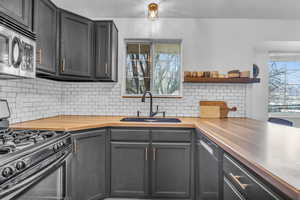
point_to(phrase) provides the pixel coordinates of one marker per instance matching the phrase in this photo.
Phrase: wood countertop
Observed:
(271, 150)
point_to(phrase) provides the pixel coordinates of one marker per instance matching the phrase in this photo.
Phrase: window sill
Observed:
(156, 97)
(285, 115)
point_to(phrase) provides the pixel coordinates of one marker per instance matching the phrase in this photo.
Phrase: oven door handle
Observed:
(6, 194)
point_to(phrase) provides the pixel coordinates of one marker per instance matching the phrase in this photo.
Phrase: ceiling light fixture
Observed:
(153, 11)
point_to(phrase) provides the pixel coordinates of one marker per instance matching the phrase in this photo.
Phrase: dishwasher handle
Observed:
(210, 148)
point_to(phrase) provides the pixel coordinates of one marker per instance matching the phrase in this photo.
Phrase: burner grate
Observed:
(11, 140)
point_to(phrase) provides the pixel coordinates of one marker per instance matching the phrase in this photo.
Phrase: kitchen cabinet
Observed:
(207, 170)
(88, 166)
(129, 169)
(19, 11)
(46, 32)
(76, 49)
(141, 168)
(245, 182)
(171, 170)
(106, 65)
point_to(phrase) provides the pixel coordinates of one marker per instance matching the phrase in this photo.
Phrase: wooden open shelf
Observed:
(220, 80)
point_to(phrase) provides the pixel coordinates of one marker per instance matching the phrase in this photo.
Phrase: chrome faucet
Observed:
(152, 114)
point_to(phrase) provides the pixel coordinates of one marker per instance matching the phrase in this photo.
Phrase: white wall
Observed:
(208, 44)
(217, 44)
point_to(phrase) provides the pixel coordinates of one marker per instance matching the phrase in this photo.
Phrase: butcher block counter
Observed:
(270, 150)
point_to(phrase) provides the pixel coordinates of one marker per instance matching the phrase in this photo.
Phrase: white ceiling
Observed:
(252, 9)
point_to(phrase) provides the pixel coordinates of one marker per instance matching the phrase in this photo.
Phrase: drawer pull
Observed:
(236, 179)
(146, 153)
(154, 154)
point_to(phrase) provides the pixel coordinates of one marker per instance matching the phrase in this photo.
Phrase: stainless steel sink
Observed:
(151, 119)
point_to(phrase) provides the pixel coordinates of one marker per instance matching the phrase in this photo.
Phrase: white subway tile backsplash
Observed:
(105, 99)
(37, 98)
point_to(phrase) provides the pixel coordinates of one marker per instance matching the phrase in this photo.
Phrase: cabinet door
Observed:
(102, 50)
(88, 165)
(106, 51)
(18, 10)
(129, 169)
(171, 169)
(208, 171)
(45, 25)
(76, 45)
(230, 193)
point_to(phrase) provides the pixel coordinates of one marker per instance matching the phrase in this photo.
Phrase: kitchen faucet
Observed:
(152, 114)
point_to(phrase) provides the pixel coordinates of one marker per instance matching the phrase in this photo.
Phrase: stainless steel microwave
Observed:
(17, 55)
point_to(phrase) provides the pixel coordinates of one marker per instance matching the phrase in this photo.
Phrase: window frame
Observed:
(152, 42)
(273, 58)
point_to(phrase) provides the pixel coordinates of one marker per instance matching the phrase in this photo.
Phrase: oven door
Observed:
(51, 183)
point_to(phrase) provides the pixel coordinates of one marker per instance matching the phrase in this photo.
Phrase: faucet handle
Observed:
(157, 108)
(138, 113)
(164, 114)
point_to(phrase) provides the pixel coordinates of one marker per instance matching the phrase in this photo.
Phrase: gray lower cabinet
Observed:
(106, 36)
(245, 182)
(46, 30)
(88, 165)
(76, 51)
(129, 169)
(207, 170)
(20, 11)
(171, 170)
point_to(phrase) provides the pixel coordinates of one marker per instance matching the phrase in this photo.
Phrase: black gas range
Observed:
(34, 164)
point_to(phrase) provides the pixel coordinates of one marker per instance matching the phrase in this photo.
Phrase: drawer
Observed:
(246, 183)
(171, 135)
(118, 134)
(230, 193)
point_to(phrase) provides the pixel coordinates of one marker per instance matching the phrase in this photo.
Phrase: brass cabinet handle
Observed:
(146, 153)
(75, 146)
(237, 180)
(39, 56)
(154, 153)
(63, 65)
(106, 69)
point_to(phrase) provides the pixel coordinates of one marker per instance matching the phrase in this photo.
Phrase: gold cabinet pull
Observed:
(63, 65)
(74, 146)
(154, 154)
(146, 153)
(106, 69)
(237, 180)
(39, 56)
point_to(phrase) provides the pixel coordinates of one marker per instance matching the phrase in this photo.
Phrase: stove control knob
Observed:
(55, 147)
(7, 171)
(20, 165)
(61, 144)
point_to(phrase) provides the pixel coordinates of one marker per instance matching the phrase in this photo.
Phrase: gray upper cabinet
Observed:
(129, 169)
(106, 65)
(20, 11)
(171, 170)
(46, 31)
(76, 52)
(88, 165)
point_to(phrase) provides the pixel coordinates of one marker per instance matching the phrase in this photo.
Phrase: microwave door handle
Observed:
(10, 51)
(7, 194)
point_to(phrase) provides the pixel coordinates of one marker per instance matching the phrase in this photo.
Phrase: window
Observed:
(284, 83)
(153, 65)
